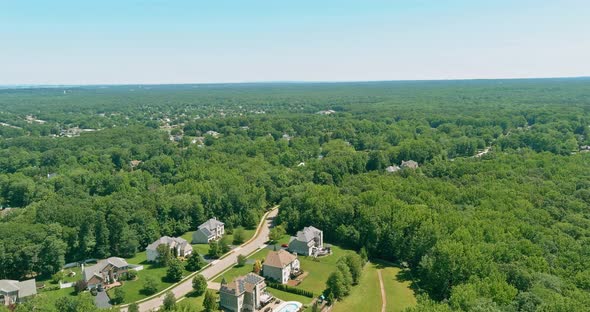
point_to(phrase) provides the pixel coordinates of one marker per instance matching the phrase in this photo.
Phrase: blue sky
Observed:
(159, 41)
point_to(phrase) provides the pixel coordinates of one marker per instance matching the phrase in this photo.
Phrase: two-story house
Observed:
(243, 294)
(105, 272)
(307, 241)
(12, 292)
(280, 265)
(211, 229)
(178, 245)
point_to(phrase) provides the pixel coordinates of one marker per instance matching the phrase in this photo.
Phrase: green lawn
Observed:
(50, 297)
(133, 288)
(367, 295)
(285, 296)
(398, 293)
(193, 302)
(318, 270)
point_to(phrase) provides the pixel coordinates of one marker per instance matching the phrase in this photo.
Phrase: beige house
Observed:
(179, 246)
(105, 272)
(280, 265)
(244, 294)
(211, 229)
(12, 292)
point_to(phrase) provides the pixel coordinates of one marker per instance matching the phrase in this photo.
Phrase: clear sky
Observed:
(168, 41)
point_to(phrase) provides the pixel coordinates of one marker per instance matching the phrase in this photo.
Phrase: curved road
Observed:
(216, 266)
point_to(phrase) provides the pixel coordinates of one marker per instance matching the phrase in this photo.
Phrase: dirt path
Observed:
(383, 299)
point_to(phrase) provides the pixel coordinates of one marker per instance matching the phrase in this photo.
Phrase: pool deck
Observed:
(284, 304)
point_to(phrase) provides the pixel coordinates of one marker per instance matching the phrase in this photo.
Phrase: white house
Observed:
(179, 246)
(279, 265)
(12, 292)
(212, 229)
(307, 241)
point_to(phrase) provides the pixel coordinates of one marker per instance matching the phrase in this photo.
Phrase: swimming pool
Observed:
(289, 306)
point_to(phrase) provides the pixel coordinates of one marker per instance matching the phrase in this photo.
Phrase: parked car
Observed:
(285, 245)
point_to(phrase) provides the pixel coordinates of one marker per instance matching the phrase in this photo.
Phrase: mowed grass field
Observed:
(399, 295)
(366, 296)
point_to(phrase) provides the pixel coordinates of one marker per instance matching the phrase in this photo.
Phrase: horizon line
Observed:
(57, 85)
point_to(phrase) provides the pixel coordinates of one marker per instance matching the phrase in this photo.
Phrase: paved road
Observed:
(217, 267)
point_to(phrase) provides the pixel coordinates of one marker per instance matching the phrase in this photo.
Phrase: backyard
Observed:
(318, 269)
(367, 294)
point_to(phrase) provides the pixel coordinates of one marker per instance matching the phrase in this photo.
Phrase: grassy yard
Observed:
(193, 302)
(367, 295)
(133, 288)
(319, 269)
(50, 297)
(398, 293)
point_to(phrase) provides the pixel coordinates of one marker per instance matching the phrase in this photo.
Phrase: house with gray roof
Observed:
(179, 246)
(105, 272)
(12, 292)
(410, 164)
(307, 241)
(211, 229)
(245, 293)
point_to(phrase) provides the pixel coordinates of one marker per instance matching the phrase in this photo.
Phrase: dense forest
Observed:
(495, 218)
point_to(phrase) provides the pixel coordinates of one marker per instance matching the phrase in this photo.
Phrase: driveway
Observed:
(102, 300)
(217, 266)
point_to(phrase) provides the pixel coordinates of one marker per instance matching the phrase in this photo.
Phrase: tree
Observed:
(134, 307)
(164, 255)
(355, 265)
(257, 267)
(239, 236)
(347, 276)
(174, 271)
(241, 260)
(169, 302)
(150, 286)
(58, 276)
(210, 301)
(276, 233)
(224, 245)
(194, 262)
(214, 250)
(364, 256)
(199, 284)
(119, 296)
(80, 286)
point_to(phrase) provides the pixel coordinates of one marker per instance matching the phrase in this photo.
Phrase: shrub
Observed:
(199, 284)
(241, 260)
(55, 278)
(149, 286)
(289, 289)
(131, 275)
(239, 236)
(80, 286)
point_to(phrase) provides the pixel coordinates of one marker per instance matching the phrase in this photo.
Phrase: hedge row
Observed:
(289, 289)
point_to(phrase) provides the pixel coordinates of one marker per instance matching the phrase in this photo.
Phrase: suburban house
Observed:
(105, 272)
(410, 164)
(12, 292)
(307, 241)
(179, 246)
(280, 265)
(245, 293)
(212, 229)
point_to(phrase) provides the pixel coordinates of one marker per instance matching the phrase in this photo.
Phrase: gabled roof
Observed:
(95, 270)
(24, 288)
(167, 240)
(241, 284)
(279, 259)
(409, 164)
(307, 234)
(211, 224)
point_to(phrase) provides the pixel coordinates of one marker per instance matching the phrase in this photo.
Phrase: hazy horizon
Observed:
(158, 42)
